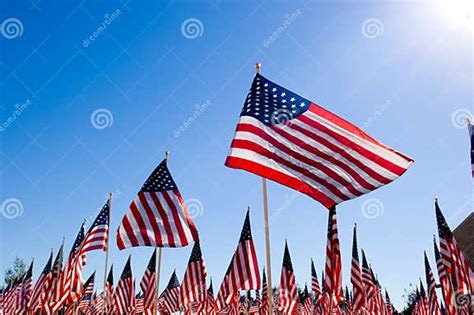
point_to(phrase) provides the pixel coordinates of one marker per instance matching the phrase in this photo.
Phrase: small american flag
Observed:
(169, 299)
(288, 297)
(264, 304)
(367, 278)
(25, 290)
(333, 261)
(87, 291)
(109, 292)
(148, 285)
(193, 288)
(98, 234)
(140, 305)
(244, 271)
(158, 215)
(125, 291)
(388, 303)
(224, 297)
(453, 259)
(211, 302)
(446, 285)
(291, 140)
(307, 301)
(432, 298)
(314, 282)
(359, 302)
(52, 286)
(38, 292)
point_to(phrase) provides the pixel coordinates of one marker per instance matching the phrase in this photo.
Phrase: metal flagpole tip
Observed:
(258, 65)
(436, 199)
(167, 154)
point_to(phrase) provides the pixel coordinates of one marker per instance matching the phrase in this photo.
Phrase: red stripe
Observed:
(176, 221)
(141, 224)
(189, 222)
(164, 218)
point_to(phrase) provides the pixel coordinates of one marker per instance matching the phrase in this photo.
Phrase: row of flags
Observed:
(280, 136)
(456, 278)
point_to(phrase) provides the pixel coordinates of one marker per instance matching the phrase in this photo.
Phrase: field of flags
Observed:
(282, 137)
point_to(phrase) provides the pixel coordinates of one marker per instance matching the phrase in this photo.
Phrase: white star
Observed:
(274, 90)
(292, 99)
(302, 104)
(283, 101)
(283, 94)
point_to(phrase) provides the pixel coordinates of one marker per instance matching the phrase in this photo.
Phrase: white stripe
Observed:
(149, 228)
(169, 214)
(134, 224)
(157, 216)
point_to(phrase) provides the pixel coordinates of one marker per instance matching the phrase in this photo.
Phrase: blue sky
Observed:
(401, 70)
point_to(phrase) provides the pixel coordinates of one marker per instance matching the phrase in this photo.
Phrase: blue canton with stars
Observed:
(159, 180)
(271, 103)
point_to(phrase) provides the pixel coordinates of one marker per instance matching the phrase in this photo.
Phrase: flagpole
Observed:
(158, 259)
(107, 250)
(267, 232)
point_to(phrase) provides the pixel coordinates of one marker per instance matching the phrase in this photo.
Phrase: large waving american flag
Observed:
(288, 296)
(291, 140)
(158, 215)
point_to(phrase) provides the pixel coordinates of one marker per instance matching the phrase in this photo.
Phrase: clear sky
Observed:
(101, 89)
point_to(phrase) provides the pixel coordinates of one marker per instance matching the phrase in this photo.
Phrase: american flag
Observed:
(38, 293)
(424, 304)
(124, 295)
(109, 292)
(71, 281)
(148, 285)
(452, 257)
(98, 234)
(211, 302)
(333, 261)
(307, 300)
(193, 288)
(98, 305)
(244, 272)
(264, 304)
(288, 139)
(388, 303)
(367, 278)
(140, 305)
(25, 290)
(314, 282)
(224, 296)
(431, 285)
(158, 215)
(471, 135)
(87, 291)
(10, 296)
(169, 299)
(359, 302)
(53, 284)
(288, 296)
(445, 282)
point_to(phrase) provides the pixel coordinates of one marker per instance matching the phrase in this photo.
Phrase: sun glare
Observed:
(458, 12)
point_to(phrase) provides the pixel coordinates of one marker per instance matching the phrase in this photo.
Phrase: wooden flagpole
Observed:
(107, 250)
(267, 233)
(158, 260)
